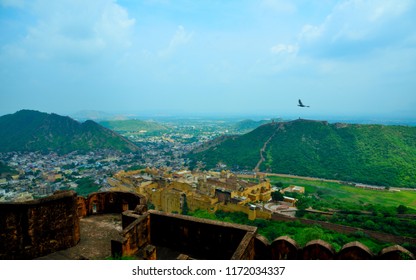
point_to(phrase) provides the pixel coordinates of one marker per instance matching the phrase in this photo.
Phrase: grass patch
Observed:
(86, 186)
(332, 190)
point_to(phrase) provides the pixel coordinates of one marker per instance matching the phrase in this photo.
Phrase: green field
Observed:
(330, 190)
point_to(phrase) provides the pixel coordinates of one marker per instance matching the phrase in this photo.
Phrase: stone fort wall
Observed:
(195, 238)
(36, 228)
(385, 237)
(39, 227)
(285, 248)
(108, 202)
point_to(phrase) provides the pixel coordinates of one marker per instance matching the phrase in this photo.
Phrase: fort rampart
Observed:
(285, 248)
(36, 228)
(347, 229)
(108, 202)
(39, 227)
(194, 238)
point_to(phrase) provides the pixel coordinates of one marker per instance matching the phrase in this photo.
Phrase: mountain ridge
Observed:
(30, 130)
(375, 154)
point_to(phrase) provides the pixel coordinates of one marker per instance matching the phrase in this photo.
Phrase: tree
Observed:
(185, 208)
(277, 196)
(401, 209)
(279, 184)
(303, 203)
(305, 235)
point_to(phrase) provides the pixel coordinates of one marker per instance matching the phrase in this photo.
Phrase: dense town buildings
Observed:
(39, 175)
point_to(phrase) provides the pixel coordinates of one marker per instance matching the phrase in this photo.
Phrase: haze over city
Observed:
(343, 58)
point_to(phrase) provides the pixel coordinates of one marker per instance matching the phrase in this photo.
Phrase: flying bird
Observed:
(301, 104)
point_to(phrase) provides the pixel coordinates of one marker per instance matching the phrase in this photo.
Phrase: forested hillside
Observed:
(374, 154)
(28, 130)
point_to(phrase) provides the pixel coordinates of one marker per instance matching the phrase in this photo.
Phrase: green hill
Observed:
(133, 126)
(28, 130)
(373, 154)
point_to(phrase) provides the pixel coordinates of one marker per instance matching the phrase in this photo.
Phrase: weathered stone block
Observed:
(396, 252)
(284, 248)
(318, 250)
(355, 251)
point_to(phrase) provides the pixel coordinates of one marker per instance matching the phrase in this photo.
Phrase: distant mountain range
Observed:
(28, 130)
(248, 124)
(133, 126)
(93, 115)
(374, 154)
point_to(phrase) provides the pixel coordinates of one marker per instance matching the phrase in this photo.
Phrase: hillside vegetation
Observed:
(373, 154)
(28, 130)
(6, 170)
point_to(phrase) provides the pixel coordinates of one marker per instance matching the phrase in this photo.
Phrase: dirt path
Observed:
(263, 149)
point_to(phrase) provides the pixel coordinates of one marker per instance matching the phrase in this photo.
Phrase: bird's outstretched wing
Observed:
(301, 104)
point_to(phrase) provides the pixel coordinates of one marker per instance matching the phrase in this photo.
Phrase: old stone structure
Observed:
(36, 228)
(209, 191)
(355, 251)
(39, 227)
(32, 229)
(285, 248)
(385, 237)
(108, 202)
(157, 235)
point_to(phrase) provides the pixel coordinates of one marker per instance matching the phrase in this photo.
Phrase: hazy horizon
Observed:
(346, 58)
(99, 116)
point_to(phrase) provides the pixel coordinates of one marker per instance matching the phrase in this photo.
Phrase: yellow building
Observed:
(207, 191)
(239, 191)
(259, 192)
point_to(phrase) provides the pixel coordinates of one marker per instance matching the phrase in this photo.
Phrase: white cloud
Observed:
(284, 49)
(74, 29)
(382, 10)
(357, 24)
(114, 25)
(310, 32)
(180, 38)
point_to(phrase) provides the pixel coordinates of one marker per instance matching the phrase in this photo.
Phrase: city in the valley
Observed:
(222, 170)
(39, 174)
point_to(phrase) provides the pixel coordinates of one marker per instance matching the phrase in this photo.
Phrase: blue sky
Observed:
(343, 58)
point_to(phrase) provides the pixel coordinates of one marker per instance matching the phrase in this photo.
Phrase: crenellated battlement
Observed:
(32, 229)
